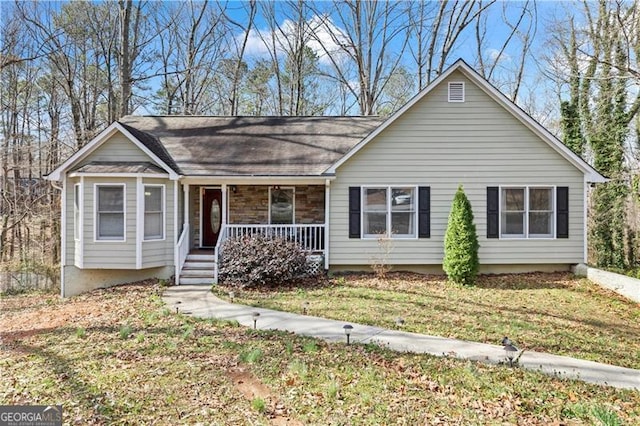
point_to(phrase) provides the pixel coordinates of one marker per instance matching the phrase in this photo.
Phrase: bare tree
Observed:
(24, 148)
(521, 21)
(239, 49)
(435, 32)
(190, 51)
(363, 34)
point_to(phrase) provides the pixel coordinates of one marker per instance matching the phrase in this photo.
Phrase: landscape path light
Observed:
(232, 296)
(347, 330)
(510, 350)
(255, 319)
(305, 307)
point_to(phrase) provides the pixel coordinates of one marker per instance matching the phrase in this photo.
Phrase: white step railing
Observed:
(182, 251)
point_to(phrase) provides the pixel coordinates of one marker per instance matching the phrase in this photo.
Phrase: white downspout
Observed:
(585, 202)
(176, 235)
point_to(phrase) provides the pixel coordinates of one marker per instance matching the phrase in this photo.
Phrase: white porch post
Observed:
(224, 206)
(185, 188)
(327, 216)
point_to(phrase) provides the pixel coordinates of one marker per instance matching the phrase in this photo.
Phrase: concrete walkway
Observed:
(198, 301)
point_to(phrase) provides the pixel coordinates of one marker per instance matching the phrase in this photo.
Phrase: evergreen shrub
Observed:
(461, 242)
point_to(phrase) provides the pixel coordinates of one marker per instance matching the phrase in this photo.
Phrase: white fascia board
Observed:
(97, 142)
(258, 180)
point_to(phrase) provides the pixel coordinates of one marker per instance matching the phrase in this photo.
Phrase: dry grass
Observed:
(555, 313)
(120, 356)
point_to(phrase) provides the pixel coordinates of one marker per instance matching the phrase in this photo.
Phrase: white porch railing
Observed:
(182, 250)
(309, 237)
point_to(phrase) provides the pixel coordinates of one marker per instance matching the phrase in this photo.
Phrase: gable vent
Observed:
(456, 91)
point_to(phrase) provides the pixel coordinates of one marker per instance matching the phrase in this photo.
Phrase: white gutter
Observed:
(259, 180)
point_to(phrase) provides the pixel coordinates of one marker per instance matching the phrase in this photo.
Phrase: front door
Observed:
(211, 216)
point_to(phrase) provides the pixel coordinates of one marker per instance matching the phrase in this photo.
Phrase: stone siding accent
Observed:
(194, 212)
(250, 204)
(310, 204)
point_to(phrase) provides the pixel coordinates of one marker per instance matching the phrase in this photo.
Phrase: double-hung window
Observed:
(389, 211)
(527, 212)
(153, 212)
(110, 212)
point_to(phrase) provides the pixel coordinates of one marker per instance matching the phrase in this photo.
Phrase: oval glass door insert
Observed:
(215, 216)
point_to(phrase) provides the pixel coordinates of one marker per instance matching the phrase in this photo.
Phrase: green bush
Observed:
(260, 260)
(461, 242)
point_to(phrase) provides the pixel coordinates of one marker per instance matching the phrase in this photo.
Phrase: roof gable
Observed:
(590, 173)
(102, 138)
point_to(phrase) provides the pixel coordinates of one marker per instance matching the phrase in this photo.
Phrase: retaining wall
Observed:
(627, 286)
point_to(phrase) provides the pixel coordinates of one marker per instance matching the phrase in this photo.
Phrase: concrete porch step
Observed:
(196, 280)
(199, 268)
(199, 265)
(190, 272)
(201, 257)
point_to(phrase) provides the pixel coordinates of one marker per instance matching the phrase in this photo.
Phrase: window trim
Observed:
(527, 211)
(96, 237)
(163, 206)
(389, 211)
(293, 203)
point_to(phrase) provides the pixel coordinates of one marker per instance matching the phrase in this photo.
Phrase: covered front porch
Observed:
(212, 214)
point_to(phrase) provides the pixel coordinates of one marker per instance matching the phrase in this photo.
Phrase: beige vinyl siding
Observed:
(117, 148)
(109, 254)
(160, 252)
(439, 144)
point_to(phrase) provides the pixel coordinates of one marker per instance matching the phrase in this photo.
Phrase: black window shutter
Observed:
(354, 212)
(424, 212)
(493, 211)
(562, 212)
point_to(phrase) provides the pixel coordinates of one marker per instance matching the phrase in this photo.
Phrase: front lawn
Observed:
(119, 356)
(556, 313)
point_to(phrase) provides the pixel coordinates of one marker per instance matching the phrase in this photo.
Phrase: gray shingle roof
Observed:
(245, 146)
(119, 167)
